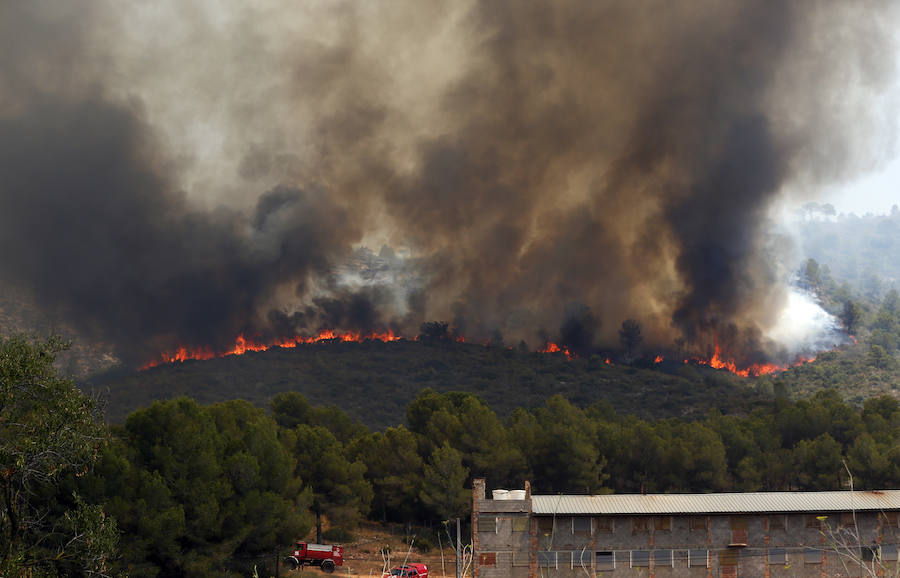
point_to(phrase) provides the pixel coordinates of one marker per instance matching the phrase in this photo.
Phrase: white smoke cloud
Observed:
(804, 327)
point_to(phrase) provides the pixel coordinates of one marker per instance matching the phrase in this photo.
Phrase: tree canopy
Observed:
(50, 433)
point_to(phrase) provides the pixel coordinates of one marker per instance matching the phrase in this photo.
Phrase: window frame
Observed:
(782, 553)
(542, 523)
(729, 557)
(582, 554)
(516, 521)
(670, 563)
(488, 521)
(631, 562)
(548, 555)
(698, 524)
(604, 525)
(810, 554)
(487, 559)
(782, 522)
(693, 557)
(590, 525)
(612, 556)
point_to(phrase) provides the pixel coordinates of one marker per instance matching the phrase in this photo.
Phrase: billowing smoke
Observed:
(180, 173)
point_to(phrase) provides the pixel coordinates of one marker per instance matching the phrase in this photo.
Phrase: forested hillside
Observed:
(373, 381)
(861, 251)
(185, 489)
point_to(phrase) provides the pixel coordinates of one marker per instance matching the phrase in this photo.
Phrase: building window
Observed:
(545, 526)
(778, 556)
(604, 525)
(889, 552)
(604, 561)
(728, 557)
(812, 556)
(640, 558)
(487, 559)
(520, 558)
(776, 522)
(581, 525)
(698, 523)
(698, 558)
(848, 520)
(520, 524)
(581, 559)
(639, 525)
(814, 521)
(662, 523)
(546, 558)
(739, 531)
(662, 558)
(487, 524)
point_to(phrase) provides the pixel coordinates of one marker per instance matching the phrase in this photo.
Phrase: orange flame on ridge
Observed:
(754, 370)
(242, 345)
(554, 348)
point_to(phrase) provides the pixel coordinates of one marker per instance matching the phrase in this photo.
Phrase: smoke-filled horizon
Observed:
(177, 174)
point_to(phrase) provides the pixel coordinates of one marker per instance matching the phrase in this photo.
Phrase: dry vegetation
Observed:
(377, 547)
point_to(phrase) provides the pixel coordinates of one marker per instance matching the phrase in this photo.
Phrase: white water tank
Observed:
(516, 495)
(500, 494)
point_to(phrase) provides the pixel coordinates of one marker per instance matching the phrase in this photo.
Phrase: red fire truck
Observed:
(323, 555)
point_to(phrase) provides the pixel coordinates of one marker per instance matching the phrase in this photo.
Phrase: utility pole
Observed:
(458, 551)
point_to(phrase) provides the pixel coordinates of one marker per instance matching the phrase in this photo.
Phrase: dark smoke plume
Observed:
(182, 175)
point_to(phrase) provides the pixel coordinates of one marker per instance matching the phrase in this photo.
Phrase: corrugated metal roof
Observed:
(717, 503)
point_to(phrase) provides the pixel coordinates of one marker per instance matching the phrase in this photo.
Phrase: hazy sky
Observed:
(874, 193)
(878, 189)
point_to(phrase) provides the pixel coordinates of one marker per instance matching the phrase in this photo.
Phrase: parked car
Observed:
(411, 570)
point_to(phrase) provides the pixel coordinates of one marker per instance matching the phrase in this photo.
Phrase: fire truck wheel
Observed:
(328, 566)
(290, 563)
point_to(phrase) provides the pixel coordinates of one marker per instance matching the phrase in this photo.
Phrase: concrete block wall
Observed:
(516, 544)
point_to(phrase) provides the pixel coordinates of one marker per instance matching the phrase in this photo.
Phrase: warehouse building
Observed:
(764, 534)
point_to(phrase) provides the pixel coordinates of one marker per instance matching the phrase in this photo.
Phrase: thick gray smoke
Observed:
(181, 173)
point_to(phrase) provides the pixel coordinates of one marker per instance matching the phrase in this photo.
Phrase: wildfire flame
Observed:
(554, 348)
(242, 345)
(754, 370)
